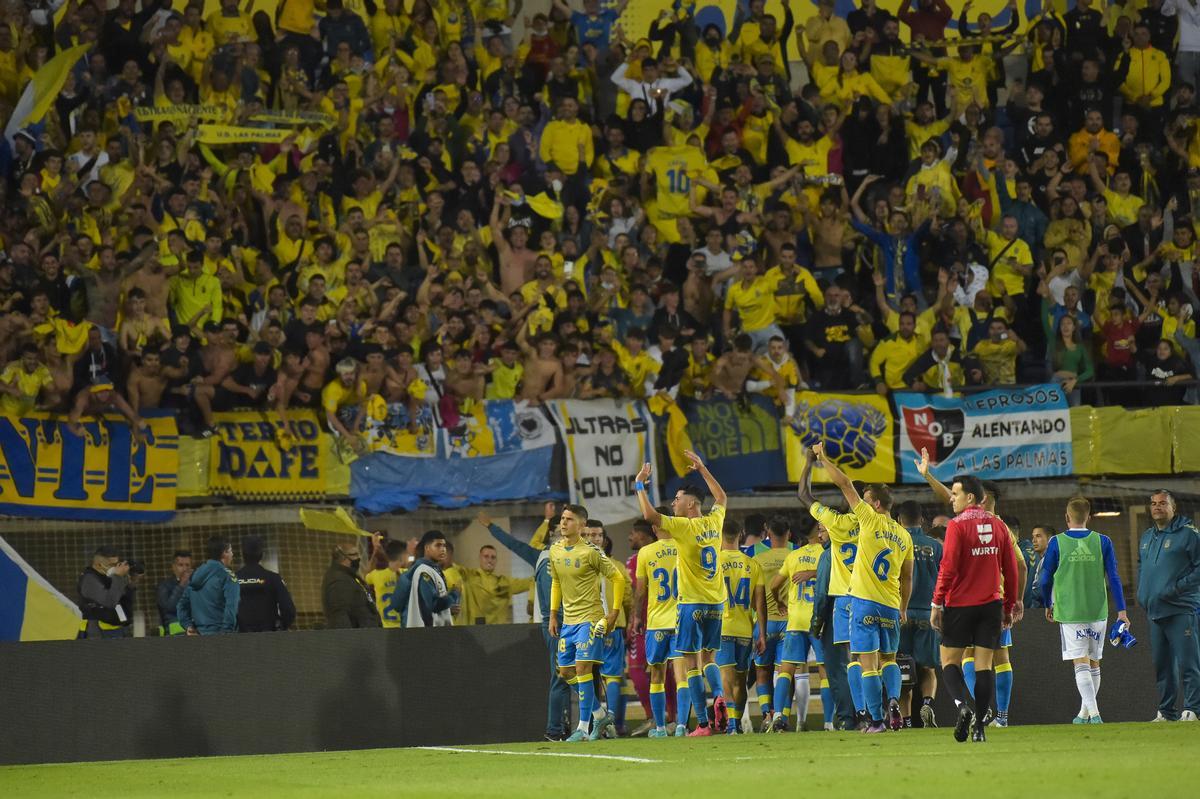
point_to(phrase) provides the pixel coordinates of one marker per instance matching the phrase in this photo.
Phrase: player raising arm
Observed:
(880, 585)
(701, 590)
(577, 570)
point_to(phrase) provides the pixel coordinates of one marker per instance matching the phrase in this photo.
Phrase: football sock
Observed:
(658, 704)
(1004, 686)
(1087, 688)
(712, 674)
(612, 693)
(952, 675)
(783, 694)
(699, 702)
(764, 697)
(803, 691)
(683, 704)
(891, 680)
(872, 687)
(985, 693)
(968, 670)
(587, 699)
(854, 675)
(827, 705)
(1096, 682)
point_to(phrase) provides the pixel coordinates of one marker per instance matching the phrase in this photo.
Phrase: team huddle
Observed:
(867, 586)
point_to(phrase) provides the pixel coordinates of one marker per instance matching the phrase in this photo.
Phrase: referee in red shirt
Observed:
(977, 562)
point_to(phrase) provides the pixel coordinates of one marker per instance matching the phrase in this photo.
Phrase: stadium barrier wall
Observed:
(271, 692)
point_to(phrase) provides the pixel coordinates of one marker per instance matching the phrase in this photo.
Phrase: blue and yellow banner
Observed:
(254, 456)
(48, 472)
(495, 427)
(858, 431)
(30, 608)
(741, 443)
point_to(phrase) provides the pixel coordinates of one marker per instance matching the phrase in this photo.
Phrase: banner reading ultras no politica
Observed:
(1006, 434)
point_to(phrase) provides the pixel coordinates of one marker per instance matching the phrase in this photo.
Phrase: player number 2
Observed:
(881, 565)
(740, 596)
(668, 584)
(849, 549)
(679, 181)
(708, 560)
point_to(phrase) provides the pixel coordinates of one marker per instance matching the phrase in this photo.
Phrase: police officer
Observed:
(1169, 590)
(266, 604)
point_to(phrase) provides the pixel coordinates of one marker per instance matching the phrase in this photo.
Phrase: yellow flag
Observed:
(40, 93)
(330, 521)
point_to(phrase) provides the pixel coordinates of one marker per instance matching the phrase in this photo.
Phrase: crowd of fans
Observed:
(568, 212)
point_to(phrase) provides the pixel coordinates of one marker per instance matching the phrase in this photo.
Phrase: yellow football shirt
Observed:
(801, 597)
(619, 573)
(383, 584)
(673, 169)
(771, 561)
(578, 570)
(698, 539)
(843, 539)
(755, 303)
(29, 384)
(883, 546)
(743, 576)
(656, 571)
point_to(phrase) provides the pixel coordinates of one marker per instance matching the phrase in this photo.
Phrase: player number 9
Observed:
(708, 560)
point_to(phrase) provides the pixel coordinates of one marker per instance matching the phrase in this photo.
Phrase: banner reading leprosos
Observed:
(1007, 434)
(48, 472)
(252, 457)
(607, 442)
(857, 429)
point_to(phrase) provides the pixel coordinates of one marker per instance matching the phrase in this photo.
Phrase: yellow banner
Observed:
(253, 457)
(233, 134)
(315, 119)
(181, 112)
(858, 431)
(49, 472)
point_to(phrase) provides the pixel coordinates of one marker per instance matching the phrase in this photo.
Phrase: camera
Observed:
(136, 566)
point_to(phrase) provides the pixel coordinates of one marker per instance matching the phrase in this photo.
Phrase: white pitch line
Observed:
(535, 754)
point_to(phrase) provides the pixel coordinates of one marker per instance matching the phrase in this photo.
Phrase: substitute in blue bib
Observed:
(880, 585)
(701, 589)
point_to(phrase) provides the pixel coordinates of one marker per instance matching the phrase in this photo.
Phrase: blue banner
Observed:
(382, 482)
(741, 443)
(1006, 434)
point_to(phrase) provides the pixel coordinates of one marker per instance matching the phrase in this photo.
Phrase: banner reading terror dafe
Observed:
(858, 431)
(607, 442)
(1007, 434)
(252, 458)
(48, 472)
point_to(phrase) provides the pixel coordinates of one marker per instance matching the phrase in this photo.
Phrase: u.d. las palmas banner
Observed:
(254, 456)
(857, 430)
(1005, 434)
(46, 471)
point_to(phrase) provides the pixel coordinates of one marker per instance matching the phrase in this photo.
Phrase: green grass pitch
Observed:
(1117, 760)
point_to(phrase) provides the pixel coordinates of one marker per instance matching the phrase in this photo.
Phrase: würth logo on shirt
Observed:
(984, 532)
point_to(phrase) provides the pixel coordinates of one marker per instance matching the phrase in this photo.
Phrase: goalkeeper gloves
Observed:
(599, 628)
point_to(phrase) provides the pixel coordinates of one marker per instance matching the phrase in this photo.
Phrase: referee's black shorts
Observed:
(973, 625)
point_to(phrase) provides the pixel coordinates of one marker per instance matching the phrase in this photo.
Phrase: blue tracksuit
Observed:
(835, 656)
(1169, 590)
(557, 719)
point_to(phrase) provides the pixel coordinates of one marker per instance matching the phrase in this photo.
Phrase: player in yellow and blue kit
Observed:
(770, 560)
(745, 600)
(701, 590)
(658, 588)
(612, 651)
(842, 529)
(795, 589)
(880, 585)
(577, 571)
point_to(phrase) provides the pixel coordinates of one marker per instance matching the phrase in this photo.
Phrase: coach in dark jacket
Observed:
(266, 604)
(344, 595)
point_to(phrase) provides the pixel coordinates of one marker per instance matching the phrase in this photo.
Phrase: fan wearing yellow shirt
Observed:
(1122, 205)
(881, 585)
(383, 582)
(23, 381)
(658, 592)
(745, 601)
(577, 572)
(567, 141)
(1009, 257)
(672, 170)
(344, 400)
(753, 297)
(892, 356)
(701, 590)
(842, 529)
(794, 589)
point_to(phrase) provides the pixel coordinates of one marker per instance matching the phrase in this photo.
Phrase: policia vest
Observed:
(1080, 587)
